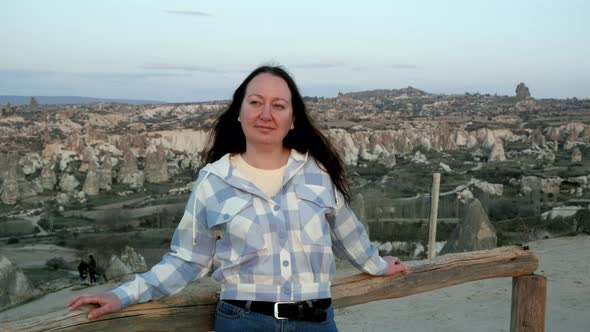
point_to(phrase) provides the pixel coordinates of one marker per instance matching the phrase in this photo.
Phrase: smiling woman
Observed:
(267, 208)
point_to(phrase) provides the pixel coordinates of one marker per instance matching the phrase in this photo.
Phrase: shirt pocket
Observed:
(314, 203)
(241, 235)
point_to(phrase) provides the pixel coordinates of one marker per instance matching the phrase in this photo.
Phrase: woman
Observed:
(267, 209)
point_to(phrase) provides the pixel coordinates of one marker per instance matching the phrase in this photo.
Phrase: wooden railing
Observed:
(196, 312)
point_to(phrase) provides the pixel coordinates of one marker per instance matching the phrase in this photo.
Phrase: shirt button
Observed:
(226, 216)
(285, 263)
(276, 208)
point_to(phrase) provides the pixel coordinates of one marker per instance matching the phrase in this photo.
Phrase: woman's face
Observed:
(266, 113)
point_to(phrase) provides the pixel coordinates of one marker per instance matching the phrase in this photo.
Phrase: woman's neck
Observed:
(266, 157)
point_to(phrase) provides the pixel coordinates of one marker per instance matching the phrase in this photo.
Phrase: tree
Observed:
(33, 104)
(7, 109)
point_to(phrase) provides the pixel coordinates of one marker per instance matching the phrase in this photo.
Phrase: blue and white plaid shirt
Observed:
(263, 248)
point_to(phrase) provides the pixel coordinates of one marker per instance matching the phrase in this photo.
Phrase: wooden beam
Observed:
(196, 313)
(529, 296)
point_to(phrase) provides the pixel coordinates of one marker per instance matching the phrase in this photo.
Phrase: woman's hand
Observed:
(395, 266)
(108, 303)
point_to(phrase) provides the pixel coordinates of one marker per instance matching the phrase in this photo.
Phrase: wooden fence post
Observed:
(433, 215)
(529, 294)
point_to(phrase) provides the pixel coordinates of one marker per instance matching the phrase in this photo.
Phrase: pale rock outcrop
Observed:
(532, 184)
(129, 174)
(62, 198)
(561, 212)
(122, 267)
(9, 193)
(188, 141)
(497, 153)
(156, 165)
(419, 158)
(48, 178)
(133, 260)
(80, 196)
(551, 185)
(536, 138)
(494, 189)
(522, 91)
(88, 157)
(465, 195)
(581, 180)
(173, 169)
(445, 167)
(105, 173)
(554, 134)
(474, 231)
(14, 285)
(68, 182)
(576, 155)
(64, 164)
(91, 184)
(30, 163)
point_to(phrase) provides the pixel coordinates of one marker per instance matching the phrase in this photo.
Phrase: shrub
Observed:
(56, 263)
(13, 240)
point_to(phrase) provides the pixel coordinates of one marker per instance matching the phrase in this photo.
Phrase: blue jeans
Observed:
(229, 318)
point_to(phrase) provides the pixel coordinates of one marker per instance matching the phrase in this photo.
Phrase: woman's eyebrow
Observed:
(262, 97)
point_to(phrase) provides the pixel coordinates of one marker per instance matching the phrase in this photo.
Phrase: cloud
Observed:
(318, 65)
(116, 76)
(187, 12)
(403, 66)
(185, 68)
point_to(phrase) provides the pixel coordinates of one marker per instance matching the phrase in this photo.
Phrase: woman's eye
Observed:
(254, 102)
(280, 107)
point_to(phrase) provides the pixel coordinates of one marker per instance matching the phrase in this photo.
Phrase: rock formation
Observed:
(121, 268)
(522, 91)
(156, 165)
(105, 174)
(30, 163)
(129, 174)
(497, 153)
(91, 185)
(68, 183)
(48, 178)
(9, 193)
(14, 285)
(576, 155)
(88, 157)
(537, 138)
(474, 231)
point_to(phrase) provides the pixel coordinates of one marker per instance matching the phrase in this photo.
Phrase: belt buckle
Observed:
(276, 308)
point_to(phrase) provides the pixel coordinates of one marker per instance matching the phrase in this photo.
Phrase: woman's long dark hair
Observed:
(227, 135)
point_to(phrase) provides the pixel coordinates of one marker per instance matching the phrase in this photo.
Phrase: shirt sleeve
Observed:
(185, 262)
(350, 238)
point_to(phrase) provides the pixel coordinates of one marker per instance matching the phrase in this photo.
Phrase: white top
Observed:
(267, 180)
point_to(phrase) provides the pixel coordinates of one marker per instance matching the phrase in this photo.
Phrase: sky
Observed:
(189, 50)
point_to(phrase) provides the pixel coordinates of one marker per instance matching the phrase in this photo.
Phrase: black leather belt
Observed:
(312, 310)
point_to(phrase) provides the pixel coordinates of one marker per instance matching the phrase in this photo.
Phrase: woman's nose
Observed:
(265, 114)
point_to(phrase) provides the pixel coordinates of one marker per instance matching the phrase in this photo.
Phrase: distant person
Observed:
(83, 271)
(92, 269)
(269, 206)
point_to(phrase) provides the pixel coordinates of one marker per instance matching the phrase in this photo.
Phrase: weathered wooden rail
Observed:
(196, 312)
